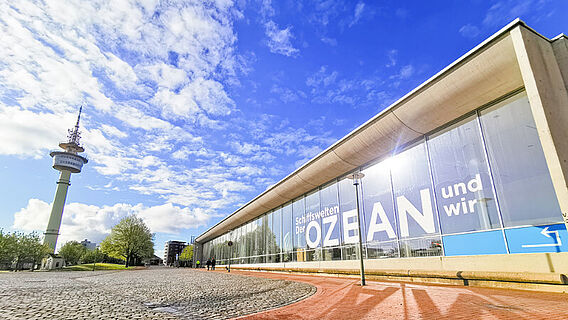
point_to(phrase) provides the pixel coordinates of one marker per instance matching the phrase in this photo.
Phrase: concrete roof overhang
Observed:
(485, 73)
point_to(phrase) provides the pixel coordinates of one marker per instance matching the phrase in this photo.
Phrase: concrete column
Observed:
(548, 97)
(52, 231)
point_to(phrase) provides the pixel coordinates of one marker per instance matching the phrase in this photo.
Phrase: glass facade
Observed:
(469, 188)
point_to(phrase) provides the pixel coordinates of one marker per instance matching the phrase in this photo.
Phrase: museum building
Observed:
(466, 172)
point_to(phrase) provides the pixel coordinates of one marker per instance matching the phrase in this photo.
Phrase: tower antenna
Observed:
(67, 162)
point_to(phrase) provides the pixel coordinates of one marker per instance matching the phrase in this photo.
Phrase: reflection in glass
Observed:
(313, 255)
(249, 239)
(287, 257)
(350, 252)
(313, 220)
(463, 187)
(523, 183)
(287, 228)
(299, 223)
(379, 250)
(270, 237)
(423, 247)
(331, 253)
(347, 207)
(331, 217)
(414, 199)
(377, 203)
(277, 229)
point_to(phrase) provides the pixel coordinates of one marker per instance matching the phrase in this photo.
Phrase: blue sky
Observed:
(192, 108)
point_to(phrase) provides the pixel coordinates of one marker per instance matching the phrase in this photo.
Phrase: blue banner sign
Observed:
(489, 242)
(549, 238)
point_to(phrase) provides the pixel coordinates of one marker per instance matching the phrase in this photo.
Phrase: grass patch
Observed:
(98, 266)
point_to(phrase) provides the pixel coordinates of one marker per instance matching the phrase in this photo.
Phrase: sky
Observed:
(193, 108)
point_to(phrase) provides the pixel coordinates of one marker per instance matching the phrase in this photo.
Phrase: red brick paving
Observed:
(344, 298)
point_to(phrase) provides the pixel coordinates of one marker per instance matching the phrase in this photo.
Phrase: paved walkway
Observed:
(344, 298)
(156, 293)
(169, 293)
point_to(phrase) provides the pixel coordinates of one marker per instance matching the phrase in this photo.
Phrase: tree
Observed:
(130, 239)
(20, 248)
(186, 255)
(72, 251)
(8, 242)
(93, 256)
(29, 249)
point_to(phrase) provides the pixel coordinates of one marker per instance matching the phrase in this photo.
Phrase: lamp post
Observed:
(356, 177)
(230, 244)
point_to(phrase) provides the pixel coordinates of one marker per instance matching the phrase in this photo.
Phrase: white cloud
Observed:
(469, 31)
(245, 148)
(280, 40)
(181, 154)
(199, 95)
(113, 131)
(286, 95)
(392, 58)
(81, 221)
(359, 9)
(26, 133)
(330, 41)
(165, 76)
(322, 77)
(503, 12)
(405, 72)
(328, 87)
(172, 219)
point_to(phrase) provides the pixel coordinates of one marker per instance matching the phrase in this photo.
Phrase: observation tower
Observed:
(67, 162)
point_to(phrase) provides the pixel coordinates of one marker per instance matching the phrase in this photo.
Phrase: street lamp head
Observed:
(356, 177)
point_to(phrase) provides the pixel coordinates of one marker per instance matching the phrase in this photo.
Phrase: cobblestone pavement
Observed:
(155, 293)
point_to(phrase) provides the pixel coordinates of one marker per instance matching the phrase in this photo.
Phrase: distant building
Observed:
(88, 244)
(53, 261)
(172, 250)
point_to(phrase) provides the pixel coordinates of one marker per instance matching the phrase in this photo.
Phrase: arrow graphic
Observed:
(547, 234)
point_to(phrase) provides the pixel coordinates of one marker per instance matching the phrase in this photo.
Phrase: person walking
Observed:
(208, 263)
(197, 264)
(213, 264)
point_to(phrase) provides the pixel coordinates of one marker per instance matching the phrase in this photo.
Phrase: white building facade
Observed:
(468, 171)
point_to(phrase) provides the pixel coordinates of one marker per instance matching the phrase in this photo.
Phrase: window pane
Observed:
(414, 199)
(243, 242)
(331, 219)
(313, 220)
(331, 253)
(264, 234)
(287, 257)
(347, 207)
(250, 239)
(298, 210)
(424, 247)
(287, 228)
(350, 252)
(237, 243)
(277, 229)
(521, 175)
(313, 255)
(379, 250)
(377, 203)
(270, 238)
(259, 236)
(461, 178)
